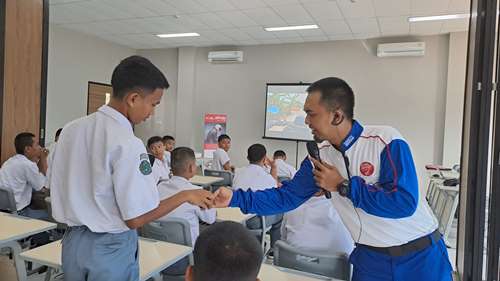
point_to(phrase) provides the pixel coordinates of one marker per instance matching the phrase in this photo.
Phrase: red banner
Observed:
(215, 125)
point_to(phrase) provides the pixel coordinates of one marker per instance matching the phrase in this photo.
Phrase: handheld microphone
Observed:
(313, 150)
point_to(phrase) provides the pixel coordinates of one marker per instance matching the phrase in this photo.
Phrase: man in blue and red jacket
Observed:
(372, 177)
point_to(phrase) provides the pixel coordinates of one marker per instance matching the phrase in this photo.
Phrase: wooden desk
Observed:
(204, 181)
(233, 214)
(154, 256)
(13, 228)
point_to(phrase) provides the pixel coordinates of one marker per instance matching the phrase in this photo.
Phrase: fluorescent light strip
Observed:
(172, 35)
(297, 27)
(441, 17)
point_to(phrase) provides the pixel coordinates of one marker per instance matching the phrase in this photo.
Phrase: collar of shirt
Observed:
(118, 116)
(352, 137)
(22, 157)
(182, 183)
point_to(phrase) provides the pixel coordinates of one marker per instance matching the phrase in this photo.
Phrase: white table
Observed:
(274, 273)
(205, 181)
(15, 228)
(233, 214)
(154, 256)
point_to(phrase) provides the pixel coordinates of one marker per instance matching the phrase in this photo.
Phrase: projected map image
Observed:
(285, 117)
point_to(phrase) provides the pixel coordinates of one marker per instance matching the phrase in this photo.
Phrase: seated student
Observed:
(25, 172)
(221, 159)
(316, 226)
(184, 168)
(256, 177)
(284, 169)
(169, 143)
(161, 168)
(225, 251)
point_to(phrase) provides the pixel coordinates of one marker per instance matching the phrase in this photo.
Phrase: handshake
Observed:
(207, 200)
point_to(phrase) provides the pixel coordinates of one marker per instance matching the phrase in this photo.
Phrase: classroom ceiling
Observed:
(134, 23)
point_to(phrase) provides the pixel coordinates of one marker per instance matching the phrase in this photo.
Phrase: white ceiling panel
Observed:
(335, 27)
(280, 2)
(258, 32)
(217, 5)
(339, 37)
(390, 8)
(245, 4)
(187, 6)
(128, 7)
(212, 20)
(265, 17)
(459, 6)
(429, 7)
(394, 25)
(311, 32)
(358, 9)
(235, 34)
(236, 18)
(369, 25)
(323, 11)
(160, 7)
(293, 14)
(292, 40)
(286, 34)
(270, 41)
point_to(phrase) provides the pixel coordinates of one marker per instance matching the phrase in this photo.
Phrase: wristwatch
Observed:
(344, 188)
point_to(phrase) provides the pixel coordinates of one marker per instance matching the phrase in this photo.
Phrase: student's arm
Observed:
(272, 200)
(228, 166)
(42, 163)
(396, 193)
(34, 177)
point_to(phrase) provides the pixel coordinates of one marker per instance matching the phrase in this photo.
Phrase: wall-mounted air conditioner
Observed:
(225, 56)
(408, 49)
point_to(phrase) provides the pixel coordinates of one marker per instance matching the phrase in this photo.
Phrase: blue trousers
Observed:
(429, 264)
(89, 256)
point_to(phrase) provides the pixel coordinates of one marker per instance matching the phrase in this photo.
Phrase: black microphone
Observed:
(313, 150)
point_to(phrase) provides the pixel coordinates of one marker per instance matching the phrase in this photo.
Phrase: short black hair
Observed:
(335, 94)
(23, 140)
(136, 73)
(256, 152)
(167, 138)
(226, 251)
(223, 137)
(58, 132)
(180, 158)
(279, 153)
(154, 139)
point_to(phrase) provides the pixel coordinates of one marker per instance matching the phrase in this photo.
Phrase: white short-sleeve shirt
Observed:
(253, 177)
(220, 159)
(161, 170)
(187, 211)
(101, 174)
(316, 216)
(21, 176)
(284, 169)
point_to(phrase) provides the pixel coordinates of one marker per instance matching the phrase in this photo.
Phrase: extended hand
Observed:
(223, 197)
(201, 197)
(326, 175)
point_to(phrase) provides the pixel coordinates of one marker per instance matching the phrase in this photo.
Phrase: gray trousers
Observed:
(89, 256)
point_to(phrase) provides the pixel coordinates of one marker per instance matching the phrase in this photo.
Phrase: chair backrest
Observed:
(226, 175)
(7, 201)
(334, 266)
(173, 230)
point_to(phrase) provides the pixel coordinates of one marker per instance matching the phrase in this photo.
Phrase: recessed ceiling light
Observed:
(441, 17)
(296, 27)
(171, 35)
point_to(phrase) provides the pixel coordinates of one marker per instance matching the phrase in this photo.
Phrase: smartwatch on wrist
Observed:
(344, 188)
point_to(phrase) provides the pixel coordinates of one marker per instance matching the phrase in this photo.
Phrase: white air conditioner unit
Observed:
(225, 56)
(408, 49)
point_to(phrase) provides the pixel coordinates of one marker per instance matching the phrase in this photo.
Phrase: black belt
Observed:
(412, 246)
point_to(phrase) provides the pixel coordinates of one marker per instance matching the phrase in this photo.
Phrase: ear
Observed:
(132, 98)
(338, 117)
(189, 273)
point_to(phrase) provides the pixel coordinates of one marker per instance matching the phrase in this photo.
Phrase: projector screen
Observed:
(285, 117)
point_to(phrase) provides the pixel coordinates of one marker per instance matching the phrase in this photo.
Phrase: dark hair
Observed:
(167, 138)
(180, 158)
(223, 137)
(58, 132)
(256, 152)
(154, 139)
(279, 153)
(23, 140)
(226, 251)
(136, 73)
(335, 94)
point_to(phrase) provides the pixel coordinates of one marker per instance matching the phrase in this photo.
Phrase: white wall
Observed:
(407, 93)
(455, 93)
(74, 60)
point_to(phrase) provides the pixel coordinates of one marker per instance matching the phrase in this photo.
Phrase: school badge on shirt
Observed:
(145, 166)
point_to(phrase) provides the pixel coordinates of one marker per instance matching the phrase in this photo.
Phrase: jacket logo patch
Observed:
(145, 166)
(366, 169)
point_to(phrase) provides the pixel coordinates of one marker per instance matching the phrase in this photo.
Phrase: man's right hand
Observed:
(201, 197)
(223, 197)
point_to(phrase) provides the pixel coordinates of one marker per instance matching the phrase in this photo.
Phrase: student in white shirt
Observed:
(284, 169)
(101, 182)
(316, 226)
(255, 177)
(169, 143)
(221, 159)
(161, 168)
(25, 172)
(183, 169)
